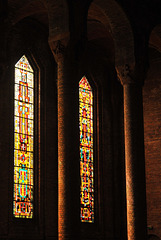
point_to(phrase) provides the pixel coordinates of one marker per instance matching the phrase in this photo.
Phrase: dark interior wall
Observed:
(29, 38)
(152, 134)
(99, 66)
(113, 168)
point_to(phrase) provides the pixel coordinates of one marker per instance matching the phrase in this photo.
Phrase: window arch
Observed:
(86, 151)
(23, 139)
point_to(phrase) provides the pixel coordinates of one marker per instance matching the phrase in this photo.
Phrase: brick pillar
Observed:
(134, 158)
(68, 145)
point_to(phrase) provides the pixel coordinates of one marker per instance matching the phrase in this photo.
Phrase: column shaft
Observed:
(68, 154)
(135, 162)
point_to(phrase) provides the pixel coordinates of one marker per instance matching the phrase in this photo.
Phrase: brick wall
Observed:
(152, 133)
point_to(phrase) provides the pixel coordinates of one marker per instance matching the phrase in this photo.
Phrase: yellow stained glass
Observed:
(23, 139)
(86, 151)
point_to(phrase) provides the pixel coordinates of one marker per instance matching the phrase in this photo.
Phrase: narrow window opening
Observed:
(86, 151)
(23, 139)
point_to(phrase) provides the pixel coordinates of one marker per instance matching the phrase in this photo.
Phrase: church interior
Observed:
(80, 119)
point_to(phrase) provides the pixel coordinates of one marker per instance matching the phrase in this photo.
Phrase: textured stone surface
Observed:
(152, 126)
(101, 37)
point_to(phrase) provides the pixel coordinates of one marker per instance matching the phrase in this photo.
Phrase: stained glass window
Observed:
(23, 139)
(86, 151)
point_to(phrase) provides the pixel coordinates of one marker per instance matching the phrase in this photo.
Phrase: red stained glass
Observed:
(86, 151)
(23, 139)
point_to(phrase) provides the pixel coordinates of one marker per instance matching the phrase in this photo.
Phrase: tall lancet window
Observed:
(23, 139)
(86, 151)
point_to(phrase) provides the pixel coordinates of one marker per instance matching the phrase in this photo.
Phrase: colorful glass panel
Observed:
(86, 151)
(23, 139)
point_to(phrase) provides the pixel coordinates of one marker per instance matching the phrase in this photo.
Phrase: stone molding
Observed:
(125, 74)
(130, 74)
(58, 48)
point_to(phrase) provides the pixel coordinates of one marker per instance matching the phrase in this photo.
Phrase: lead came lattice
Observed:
(86, 151)
(23, 139)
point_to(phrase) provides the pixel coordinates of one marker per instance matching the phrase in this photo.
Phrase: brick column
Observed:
(134, 156)
(68, 145)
